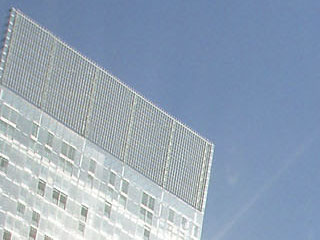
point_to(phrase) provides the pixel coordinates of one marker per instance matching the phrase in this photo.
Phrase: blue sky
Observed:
(244, 74)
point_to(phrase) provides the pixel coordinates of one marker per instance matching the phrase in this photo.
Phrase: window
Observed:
(147, 206)
(64, 149)
(47, 238)
(4, 164)
(6, 112)
(65, 165)
(90, 180)
(10, 115)
(110, 192)
(123, 200)
(21, 208)
(144, 200)
(171, 215)
(49, 142)
(107, 209)
(71, 153)
(35, 130)
(81, 227)
(6, 235)
(149, 218)
(59, 198)
(151, 203)
(41, 187)
(148, 201)
(145, 215)
(32, 233)
(184, 223)
(112, 178)
(69, 167)
(63, 201)
(92, 166)
(35, 218)
(124, 186)
(146, 234)
(195, 231)
(68, 151)
(84, 213)
(55, 196)
(3, 127)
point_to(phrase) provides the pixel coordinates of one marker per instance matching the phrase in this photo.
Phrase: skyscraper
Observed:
(84, 156)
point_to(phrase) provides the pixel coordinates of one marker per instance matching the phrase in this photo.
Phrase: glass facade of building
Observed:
(84, 156)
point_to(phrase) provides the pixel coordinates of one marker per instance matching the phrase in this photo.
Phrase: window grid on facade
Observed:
(56, 79)
(108, 123)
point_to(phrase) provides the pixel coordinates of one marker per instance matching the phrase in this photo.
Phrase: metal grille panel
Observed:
(204, 180)
(110, 118)
(28, 60)
(185, 164)
(149, 141)
(69, 88)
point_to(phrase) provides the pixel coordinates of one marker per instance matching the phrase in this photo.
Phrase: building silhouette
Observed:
(83, 156)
